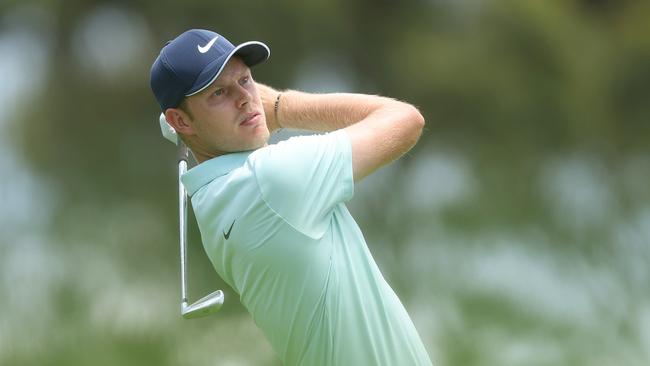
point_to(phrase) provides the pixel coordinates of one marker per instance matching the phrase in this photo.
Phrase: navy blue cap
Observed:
(193, 60)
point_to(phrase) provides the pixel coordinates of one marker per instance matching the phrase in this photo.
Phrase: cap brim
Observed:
(252, 53)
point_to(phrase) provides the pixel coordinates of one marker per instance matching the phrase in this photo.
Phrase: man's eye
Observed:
(245, 80)
(218, 92)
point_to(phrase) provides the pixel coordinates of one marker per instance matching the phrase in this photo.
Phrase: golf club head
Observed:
(168, 131)
(205, 306)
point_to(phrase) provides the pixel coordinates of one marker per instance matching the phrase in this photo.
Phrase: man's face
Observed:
(228, 115)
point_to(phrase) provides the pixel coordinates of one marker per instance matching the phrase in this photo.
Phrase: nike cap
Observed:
(192, 61)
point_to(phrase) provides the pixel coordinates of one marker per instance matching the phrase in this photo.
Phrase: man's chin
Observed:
(261, 144)
(263, 138)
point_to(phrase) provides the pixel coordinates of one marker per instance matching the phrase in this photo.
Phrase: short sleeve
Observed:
(304, 178)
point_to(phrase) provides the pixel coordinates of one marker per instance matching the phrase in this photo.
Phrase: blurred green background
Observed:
(517, 232)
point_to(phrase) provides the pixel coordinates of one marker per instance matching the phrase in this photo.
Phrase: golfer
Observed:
(272, 218)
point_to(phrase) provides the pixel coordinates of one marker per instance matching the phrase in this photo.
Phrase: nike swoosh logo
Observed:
(205, 48)
(226, 235)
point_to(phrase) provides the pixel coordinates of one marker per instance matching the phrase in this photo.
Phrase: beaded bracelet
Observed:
(275, 108)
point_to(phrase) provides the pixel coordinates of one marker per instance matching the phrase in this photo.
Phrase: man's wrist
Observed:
(268, 96)
(276, 107)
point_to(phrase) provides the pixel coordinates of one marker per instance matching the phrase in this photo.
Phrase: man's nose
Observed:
(244, 96)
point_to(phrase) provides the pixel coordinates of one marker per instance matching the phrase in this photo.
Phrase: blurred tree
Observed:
(508, 83)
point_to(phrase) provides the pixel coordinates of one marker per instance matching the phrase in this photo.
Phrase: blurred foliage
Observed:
(533, 76)
(509, 84)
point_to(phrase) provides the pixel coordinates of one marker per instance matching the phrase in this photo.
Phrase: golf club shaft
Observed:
(212, 302)
(182, 214)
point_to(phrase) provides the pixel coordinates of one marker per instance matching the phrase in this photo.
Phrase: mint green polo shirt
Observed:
(274, 224)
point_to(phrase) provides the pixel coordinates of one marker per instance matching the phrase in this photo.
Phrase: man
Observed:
(272, 217)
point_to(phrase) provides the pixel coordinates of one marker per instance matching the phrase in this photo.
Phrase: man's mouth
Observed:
(251, 119)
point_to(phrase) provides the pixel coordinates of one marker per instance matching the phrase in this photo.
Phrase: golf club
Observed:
(210, 303)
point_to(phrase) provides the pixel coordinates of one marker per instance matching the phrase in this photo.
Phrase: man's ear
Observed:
(181, 122)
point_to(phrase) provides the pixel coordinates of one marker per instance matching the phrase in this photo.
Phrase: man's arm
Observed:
(380, 129)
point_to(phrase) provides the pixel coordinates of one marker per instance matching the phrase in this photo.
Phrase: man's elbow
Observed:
(415, 121)
(418, 118)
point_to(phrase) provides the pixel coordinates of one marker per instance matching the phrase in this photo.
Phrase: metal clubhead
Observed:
(167, 130)
(205, 306)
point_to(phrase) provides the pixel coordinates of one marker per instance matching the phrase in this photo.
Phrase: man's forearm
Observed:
(379, 129)
(318, 112)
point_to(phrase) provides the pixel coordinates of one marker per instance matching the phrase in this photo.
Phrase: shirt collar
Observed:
(209, 170)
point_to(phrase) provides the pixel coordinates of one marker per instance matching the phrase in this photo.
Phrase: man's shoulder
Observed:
(302, 165)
